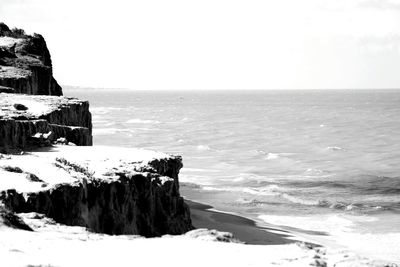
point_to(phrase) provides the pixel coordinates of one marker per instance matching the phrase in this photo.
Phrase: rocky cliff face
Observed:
(25, 63)
(30, 121)
(130, 194)
(124, 197)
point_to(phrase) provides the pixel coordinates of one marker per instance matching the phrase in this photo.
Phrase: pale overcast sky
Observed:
(217, 44)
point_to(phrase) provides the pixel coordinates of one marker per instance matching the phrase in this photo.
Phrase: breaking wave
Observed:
(203, 147)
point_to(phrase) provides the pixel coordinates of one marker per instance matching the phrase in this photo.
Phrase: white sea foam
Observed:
(343, 232)
(260, 152)
(271, 190)
(299, 200)
(271, 156)
(322, 223)
(313, 171)
(268, 155)
(203, 147)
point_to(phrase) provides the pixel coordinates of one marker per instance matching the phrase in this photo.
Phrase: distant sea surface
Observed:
(322, 163)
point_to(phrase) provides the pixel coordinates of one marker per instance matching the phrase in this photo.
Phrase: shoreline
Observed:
(250, 232)
(244, 229)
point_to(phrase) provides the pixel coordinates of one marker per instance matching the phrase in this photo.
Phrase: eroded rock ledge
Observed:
(113, 191)
(25, 64)
(30, 121)
(108, 190)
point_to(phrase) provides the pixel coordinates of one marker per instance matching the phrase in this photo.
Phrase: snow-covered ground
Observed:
(52, 244)
(97, 159)
(6, 41)
(36, 105)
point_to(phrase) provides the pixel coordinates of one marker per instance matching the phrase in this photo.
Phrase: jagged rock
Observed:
(318, 263)
(41, 139)
(105, 191)
(20, 107)
(12, 169)
(26, 63)
(61, 141)
(46, 119)
(72, 134)
(2, 156)
(12, 220)
(3, 28)
(212, 235)
(33, 178)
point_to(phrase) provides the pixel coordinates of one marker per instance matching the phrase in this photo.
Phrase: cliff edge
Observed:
(28, 121)
(25, 64)
(54, 173)
(107, 190)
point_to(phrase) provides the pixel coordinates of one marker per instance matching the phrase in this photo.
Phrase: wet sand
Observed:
(242, 228)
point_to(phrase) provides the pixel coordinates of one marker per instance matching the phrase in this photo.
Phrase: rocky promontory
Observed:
(31, 113)
(49, 167)
(107, 190)
(25, 64)
(28, 121)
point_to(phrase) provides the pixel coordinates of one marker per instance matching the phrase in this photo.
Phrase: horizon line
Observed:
(217, 89)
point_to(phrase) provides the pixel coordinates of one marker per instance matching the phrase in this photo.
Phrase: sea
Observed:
(323, 164)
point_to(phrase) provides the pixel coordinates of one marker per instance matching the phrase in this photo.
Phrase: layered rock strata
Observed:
(133, 194)
(114, 192)
(28, 121)
(25, 63)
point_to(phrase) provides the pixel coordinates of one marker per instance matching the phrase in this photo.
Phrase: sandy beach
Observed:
(242, 228)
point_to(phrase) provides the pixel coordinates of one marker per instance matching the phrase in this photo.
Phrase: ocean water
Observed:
(324, 164)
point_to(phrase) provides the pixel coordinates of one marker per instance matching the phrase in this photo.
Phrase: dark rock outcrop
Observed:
(25, 63)
(12, 220)
(26, 68)
(4, 89)
(43, 120)
(130, 198)
(127, 202)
